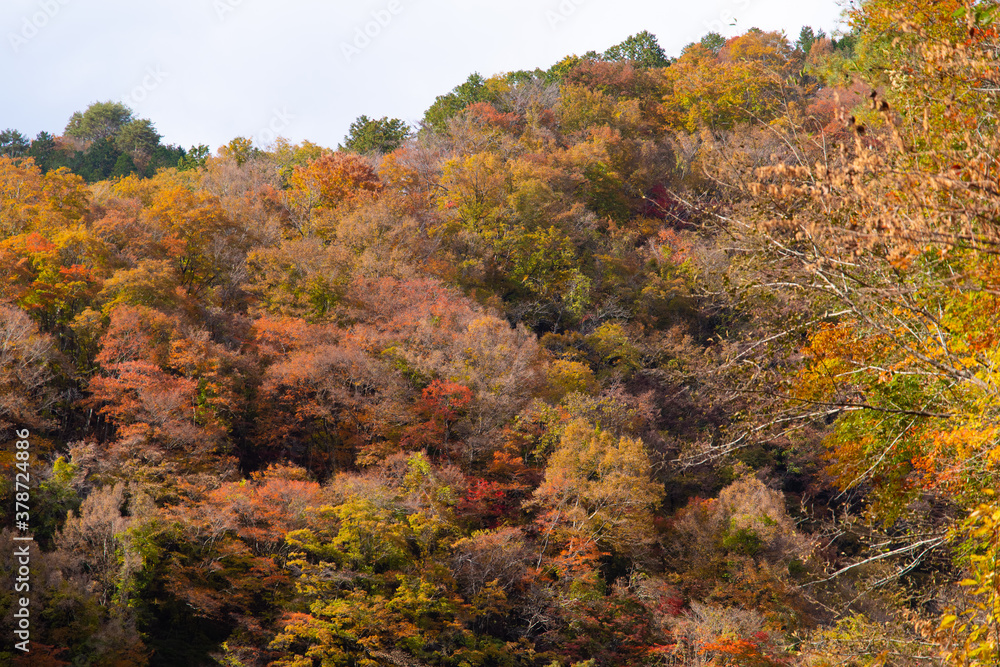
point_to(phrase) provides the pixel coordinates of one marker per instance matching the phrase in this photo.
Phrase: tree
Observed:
(970, 631)
(446, 106)
(375, 136)
(442, 404)
(98, 535)
(43, 150)
(196, 157)
(747, 82)
(331, 181)
(27, 358)
(907, 246)
(98, 162)
(240, 149)
(807, 38)
(302, 277)
(198, 235)
(138, 138)
(32, 202)
(101, 120)
(713, 41)
(599, 488)
(162, 388)
(124, 166)
(13, 143)
(642, 49)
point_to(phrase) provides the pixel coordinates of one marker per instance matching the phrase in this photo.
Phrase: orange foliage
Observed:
(333, 180)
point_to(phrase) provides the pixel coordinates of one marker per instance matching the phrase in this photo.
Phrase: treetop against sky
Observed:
(208, 70)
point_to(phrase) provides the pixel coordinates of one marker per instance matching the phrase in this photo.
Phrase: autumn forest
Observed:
(641, 359)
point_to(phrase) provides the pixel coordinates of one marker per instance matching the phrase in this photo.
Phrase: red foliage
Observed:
(332, 180)
(441, 404)
(323, 402)
(612, 78)
(661, 205)
(443, 400)
(616, 629)
(487, 114)
(830, 107)
(487, 502)
(260, 512)
(744, 652)
(41, 655)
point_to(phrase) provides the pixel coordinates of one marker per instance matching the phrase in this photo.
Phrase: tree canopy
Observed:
(629, 360)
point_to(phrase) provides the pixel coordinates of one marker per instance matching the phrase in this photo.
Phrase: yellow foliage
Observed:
(566, 377)
(599, 486)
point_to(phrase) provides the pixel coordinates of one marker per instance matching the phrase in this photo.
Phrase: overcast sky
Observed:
(205, 71)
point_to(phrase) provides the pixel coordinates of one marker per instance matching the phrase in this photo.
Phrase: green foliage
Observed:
(124, 166)
(98, 162)
(807, 37)
(101, 120)
(375, 136)
(57, 497)
(163, 157)
(13, 143)
(447, 106)
(641, 49)
(195, 157)
(240, 149)
(138, 139)
(42, 151)
(370, 538)
(713, 41)
(743, 541)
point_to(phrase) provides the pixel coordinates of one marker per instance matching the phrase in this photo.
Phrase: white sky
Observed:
(205, 71)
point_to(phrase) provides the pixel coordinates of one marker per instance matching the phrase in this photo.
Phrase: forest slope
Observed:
(634, 360)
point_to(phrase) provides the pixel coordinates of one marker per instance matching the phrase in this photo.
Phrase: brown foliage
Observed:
(27, 358)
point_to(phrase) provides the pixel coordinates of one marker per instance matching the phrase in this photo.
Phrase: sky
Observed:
(206, 71)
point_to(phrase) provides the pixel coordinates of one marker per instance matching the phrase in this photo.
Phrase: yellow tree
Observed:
(747, 81)
(331, 182)
(598, 487)
(32, 202)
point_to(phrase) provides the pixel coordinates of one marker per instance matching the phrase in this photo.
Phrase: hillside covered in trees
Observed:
(636, 360)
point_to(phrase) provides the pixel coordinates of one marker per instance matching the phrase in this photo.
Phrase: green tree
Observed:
(641, 49)
(97, 162)
(375, 136)
(240, 149)
(713, 41)
(164, 157)
(124, 166)
(445, 106)
(101, 120)
(43, 150)
(138, 139)
(196, 157)
(807, 38)
(13, 143)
